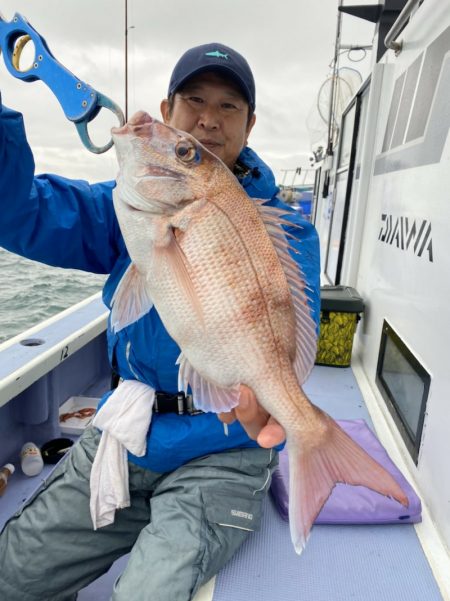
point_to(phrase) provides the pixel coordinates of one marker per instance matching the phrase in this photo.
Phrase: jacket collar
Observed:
(254, 175)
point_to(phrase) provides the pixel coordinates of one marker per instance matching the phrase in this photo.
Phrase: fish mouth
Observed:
(156, 171)
(134, 125)
(140, 126)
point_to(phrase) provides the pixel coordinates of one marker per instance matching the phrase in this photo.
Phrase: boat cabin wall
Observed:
(393, 244)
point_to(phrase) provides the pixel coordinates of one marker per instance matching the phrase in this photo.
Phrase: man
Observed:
(197, 492)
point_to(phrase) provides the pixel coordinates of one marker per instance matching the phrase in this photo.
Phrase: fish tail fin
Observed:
(314, 472)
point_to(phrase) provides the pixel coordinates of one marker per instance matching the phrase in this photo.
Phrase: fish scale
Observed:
(225, 287)
(218, 269)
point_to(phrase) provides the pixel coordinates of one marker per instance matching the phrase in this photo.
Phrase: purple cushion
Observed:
(354, 504)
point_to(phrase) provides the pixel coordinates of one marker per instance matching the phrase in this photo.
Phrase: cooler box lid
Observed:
(340, 299)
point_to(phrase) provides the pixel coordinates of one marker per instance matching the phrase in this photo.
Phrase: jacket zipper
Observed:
(127, 356)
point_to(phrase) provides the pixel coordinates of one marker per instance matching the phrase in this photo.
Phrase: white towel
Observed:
(124, 420)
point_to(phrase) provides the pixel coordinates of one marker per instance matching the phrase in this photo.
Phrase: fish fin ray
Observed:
(313, 473)
(131, 299)
(305, 327)
(206, 395)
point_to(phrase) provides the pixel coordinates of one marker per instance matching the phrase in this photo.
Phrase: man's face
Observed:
(213, 110)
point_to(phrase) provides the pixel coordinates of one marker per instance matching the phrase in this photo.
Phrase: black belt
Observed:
(179, 403)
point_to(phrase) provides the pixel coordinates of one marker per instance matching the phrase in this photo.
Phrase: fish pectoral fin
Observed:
(131, 299)
(206, 396)
(179, 265)
(314, 471)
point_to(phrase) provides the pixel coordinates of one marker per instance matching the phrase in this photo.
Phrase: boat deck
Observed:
(370, 563)
(373, 563)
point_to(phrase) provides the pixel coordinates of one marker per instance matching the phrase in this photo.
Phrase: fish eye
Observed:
(185, 151)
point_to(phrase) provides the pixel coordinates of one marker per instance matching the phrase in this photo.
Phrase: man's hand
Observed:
(255, 420)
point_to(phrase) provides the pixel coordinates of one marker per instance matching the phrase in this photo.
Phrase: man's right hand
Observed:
(255, 420)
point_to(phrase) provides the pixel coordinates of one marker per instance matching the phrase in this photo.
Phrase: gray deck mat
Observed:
(340, 563)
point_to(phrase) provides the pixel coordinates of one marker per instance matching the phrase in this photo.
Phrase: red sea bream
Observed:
(216, 265)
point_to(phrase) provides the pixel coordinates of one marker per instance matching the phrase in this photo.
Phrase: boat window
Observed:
(340, 193)
(404, 384)
(316, 193)
(360, 141)
(334, 242)
(333, 239)
(345, 148)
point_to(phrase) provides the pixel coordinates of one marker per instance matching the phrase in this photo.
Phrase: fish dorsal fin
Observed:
(206, 395)
(305, 327)
(131, 299)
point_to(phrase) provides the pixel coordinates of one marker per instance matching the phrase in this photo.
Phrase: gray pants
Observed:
(181, 528)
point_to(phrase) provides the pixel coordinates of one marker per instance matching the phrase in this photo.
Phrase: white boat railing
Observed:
(35, 352)
(389, 40)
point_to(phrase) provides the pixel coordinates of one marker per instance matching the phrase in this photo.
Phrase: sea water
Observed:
(31, 292)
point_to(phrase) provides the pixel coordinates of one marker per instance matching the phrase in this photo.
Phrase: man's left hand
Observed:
(255, 420)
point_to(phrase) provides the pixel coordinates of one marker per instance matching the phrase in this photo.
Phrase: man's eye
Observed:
(195, 99)
(229, 106)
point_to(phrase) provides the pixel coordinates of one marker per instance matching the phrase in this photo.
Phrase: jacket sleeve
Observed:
(57, 221)
(308, 257)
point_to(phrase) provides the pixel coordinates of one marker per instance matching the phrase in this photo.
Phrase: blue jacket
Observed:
(70, 223)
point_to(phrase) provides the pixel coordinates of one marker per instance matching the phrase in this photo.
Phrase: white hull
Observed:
(400, 180)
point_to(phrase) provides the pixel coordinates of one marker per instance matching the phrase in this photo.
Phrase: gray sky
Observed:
(288, 43)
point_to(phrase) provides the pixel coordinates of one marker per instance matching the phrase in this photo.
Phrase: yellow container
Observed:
(341, 307)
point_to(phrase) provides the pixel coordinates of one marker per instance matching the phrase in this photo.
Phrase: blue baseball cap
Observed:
(214, 57)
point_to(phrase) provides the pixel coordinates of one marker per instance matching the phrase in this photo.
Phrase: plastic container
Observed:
(340, 311)
(31, 460)
(55, 449)
(77, 413)
(6, 471)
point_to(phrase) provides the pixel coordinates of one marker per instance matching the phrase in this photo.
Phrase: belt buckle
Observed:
(189, 402)
(179, 402)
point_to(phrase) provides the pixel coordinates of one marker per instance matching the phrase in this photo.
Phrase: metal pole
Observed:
(284, 171)
(126, 60)
(334, 82)
(127, 29)
(398, 26)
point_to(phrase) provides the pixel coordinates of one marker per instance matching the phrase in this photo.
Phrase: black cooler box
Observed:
(340, 311)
